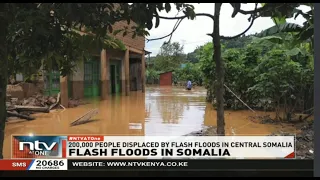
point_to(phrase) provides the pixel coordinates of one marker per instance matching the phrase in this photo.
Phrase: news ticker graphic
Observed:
(34, 164)
(152, 164)
(155, 147)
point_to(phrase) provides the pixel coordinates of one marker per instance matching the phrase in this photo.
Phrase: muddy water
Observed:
(160, 111)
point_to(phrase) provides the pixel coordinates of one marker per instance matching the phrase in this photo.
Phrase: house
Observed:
(109, 72)
(166, 79)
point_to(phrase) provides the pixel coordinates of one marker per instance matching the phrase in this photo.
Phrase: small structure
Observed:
(166, 79)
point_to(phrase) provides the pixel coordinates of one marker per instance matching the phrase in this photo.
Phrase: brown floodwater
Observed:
(161, 111)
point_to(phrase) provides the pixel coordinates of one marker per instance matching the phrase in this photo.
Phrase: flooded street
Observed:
(160, 111)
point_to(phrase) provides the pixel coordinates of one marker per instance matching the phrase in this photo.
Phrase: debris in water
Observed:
(85, 118)
(54, 102)
(135, 126)
(233, 131)
(22, 108)
(31, 109)
(14, 114)
(263, 119)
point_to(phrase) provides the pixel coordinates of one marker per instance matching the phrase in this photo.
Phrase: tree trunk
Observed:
(219, 71)
(3, 74)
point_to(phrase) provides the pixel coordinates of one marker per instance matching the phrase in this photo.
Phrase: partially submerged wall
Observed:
(24, 90)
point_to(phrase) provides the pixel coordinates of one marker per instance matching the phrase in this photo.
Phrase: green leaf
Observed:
(167, 7)
(273, 39)
(117, 31)
(236, 8)
(149, 24)
(287, 27)
(279, 20)
(157, 21)
(110, 29)
(306, 34)
(293, 52)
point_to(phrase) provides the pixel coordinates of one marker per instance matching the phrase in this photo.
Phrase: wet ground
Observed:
(160, 111)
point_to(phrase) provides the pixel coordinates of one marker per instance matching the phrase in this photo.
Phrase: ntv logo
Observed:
(37, 147)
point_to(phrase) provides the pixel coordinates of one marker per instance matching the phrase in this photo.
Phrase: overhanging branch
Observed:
(236, 36)
(182, 17)
(175, 27)
(256, 10)
(252, 17)
(172, 18)
(179, 18)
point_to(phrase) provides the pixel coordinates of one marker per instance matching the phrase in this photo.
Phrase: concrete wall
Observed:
(24, 90)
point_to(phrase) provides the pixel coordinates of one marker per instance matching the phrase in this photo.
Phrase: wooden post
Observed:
(64, 91)
(123, 75)
(143, 74)
(127, 73)
(104, 74)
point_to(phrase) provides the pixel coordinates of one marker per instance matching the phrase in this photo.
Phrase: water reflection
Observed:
(174, 111)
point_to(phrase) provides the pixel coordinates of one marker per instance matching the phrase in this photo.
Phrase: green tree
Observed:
(192, 57)
(273, 10)
(301, 33)
(293, 80)
(152, 75)
(169, 58)
(266, 75)
(190, 72)
(36, 34)
(237, 42)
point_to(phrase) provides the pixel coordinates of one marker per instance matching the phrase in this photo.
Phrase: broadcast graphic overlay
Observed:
(156, 147)
(162, 147)
(79, 152)
(37, 146)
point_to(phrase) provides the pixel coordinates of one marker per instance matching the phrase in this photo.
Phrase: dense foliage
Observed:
(265, 74)
(270, 73)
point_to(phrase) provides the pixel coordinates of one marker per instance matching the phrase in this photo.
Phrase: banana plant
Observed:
(301, 33)
(286, 41)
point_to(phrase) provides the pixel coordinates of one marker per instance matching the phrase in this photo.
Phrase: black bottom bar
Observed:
(215, 165)
(156, 174)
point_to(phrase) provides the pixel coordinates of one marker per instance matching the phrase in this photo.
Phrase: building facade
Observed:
(109, 72)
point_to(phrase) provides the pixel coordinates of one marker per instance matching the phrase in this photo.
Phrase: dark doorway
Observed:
(135, 74)
(113, 78)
